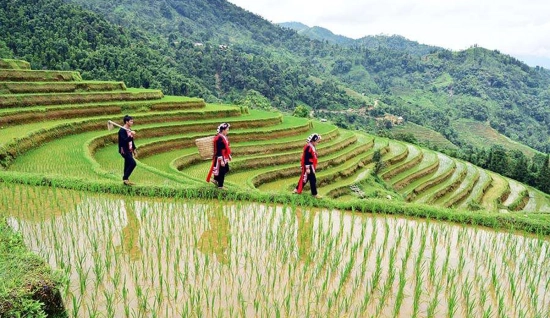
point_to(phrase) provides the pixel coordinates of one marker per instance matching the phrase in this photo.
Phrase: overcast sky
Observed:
(518, 28)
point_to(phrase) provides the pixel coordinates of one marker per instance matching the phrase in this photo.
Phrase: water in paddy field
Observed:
(140, 257)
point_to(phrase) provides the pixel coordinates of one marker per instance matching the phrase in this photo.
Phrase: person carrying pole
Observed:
(127, 148)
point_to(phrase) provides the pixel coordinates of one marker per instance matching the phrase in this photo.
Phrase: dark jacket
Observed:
(124, 142)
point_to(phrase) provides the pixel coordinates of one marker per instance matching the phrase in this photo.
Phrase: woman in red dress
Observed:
(309, 165)
(221, 158)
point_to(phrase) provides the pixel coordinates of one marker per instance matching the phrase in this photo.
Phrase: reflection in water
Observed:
(130, 232)
(272, 260)
(305, 232)
(215, 240)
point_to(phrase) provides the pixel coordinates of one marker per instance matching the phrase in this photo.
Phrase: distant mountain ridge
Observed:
(393, 42)
(396, 42)
(318, 33)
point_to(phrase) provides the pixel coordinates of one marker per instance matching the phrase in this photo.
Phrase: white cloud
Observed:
(512, 27)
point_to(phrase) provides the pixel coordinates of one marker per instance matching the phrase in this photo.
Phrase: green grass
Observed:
(478, 190)
(482, 135)
(540, 202)
(135, 106)
(435, 192)
(445, 165)
(498, 186)
(407, 176)
(414, 157)
(112, 164)
(516, 189)
(28, 287)
(9, 134)
(24, 100)
(59, 87)
(465, 188)
(14, 64)
(64, 156)
(424, 135)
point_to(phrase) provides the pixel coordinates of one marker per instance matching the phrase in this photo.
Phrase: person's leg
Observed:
(216, 172)
(132, 166)
(129, 166)
(125, 170)
(313, 183)
(301, 182)
(221, 175)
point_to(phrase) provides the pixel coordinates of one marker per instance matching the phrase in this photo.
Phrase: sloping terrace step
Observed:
(22, 75)
(24, 100)
(58, 87)
(14, 64)
(17, 116)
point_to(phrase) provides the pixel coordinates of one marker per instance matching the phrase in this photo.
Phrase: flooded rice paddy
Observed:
(169, 257)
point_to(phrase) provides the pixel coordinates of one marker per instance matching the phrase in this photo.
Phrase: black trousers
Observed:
(312, 182)
(221, 174)
(129, 165)
(312, 179)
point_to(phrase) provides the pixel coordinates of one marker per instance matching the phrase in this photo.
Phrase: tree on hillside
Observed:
(255, 100)
(301, 111)
(378, 163)
(498, 160)
(544, 176)
(5, 52)
(520, 168)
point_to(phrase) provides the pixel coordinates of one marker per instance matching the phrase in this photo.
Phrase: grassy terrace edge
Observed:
(495, 220)
(28, 286)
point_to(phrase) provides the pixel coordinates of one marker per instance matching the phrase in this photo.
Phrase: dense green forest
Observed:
(64, 36)
(220, 52)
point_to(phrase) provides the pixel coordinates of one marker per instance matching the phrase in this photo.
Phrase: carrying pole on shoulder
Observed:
(111, 124)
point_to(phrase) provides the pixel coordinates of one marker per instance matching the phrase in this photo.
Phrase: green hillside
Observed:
(219, 52)
(53, 114)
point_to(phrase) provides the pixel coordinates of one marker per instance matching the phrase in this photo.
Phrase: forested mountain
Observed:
(393, 42)
(138, 54)
(318, 33)
(215, 50)
(396, 42)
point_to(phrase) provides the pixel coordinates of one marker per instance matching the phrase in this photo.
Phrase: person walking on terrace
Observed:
(221, 157)
(309, 165)
(127, 148)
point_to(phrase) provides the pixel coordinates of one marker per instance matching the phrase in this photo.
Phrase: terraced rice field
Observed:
(53, 128)
(69, 139)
